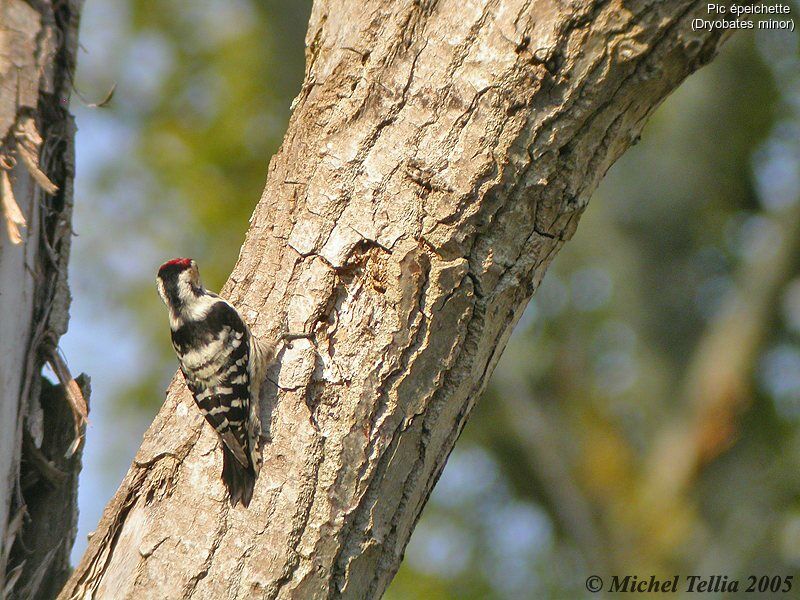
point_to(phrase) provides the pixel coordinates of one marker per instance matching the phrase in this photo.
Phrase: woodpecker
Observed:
(224, 366)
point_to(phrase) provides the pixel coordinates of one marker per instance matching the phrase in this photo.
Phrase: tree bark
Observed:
(439, 155)
(38, 483)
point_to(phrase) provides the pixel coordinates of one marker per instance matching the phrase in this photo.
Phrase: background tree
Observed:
(41, 424)
(417, 174)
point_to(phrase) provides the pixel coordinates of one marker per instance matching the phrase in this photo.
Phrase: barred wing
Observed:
(215, 365)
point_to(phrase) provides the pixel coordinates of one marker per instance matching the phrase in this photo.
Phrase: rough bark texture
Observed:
(38, 507)
(439, 155)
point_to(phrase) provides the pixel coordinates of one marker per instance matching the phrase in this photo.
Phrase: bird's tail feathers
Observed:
(238, 479)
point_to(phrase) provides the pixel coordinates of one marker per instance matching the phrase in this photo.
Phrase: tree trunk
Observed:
(38, 483)
(439, 155)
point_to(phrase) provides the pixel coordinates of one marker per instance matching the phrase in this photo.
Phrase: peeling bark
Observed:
(439, 155)
(38, 483)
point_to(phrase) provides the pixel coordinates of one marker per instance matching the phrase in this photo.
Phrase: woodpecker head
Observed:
(179, 283)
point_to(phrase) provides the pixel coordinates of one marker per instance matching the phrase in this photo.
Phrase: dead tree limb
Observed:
(38, 465)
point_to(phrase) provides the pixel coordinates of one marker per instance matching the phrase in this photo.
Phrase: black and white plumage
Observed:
(223, 365)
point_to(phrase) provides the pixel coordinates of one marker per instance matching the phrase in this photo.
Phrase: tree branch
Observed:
(438, 156)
